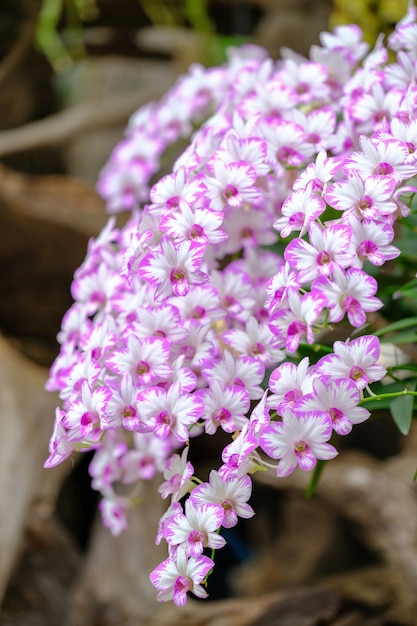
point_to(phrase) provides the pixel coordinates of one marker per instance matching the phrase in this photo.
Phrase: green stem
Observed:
(393, 394)
(317, 472)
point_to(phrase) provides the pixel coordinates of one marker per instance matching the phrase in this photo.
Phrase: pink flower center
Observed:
(246, 233)
(279, 293)
(196, 537)
(335, 414)
(222, 416)
(258, 349)
(350, 304)
(323, 258)
(173, 125)
(313, 138)
(297, 219)
(78, 383)
(230, 191)
(96, 353)
(383, 169)
(203, 93)
(118, 513)
(182, 585)
(296, 328)
(230, 301)
(198, 312)
(188, 351)
(365, 203)
(175, 482)
(128, 412)
(196, 231)
(98, 297)
(164, 417)
(89, 423)
(318, 186)
(292, 396)
(286, 154)
(300, 447)
(356, 373)
(177, 275)
(347, 144)
(147, 468)
(129, 197)
(368, 248)
(146, 462)
(88, 418)
(233, 460)
(142, 368)
(380, 116)
(163, 423)
(301, 88)
(262, 315)
(173, 203)
(230, 516)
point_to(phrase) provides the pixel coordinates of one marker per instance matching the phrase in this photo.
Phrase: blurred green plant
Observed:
(59, 32)
(373, 16)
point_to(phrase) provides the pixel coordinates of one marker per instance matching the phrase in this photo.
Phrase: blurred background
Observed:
(71, 74)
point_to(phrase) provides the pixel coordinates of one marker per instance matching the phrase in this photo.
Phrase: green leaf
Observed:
(402, 410)
(406, 336)
(409, 367)
(408, 248)
(314, 351)
(405, 293)
(410, 222)
(410, 284)
(406, 323)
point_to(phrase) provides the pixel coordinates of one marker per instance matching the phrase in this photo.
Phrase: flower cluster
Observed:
(189, 319)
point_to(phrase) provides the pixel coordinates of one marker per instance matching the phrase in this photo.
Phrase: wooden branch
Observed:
(301, 607)
(26, 414)
(56, 199)
(17, 53)
(115, 578)
(61, 127)
(379, 497)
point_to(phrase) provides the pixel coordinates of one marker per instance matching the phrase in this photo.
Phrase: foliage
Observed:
(373, 16)
(59, 32)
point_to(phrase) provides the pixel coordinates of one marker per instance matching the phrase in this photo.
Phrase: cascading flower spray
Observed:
(189, 319)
